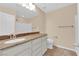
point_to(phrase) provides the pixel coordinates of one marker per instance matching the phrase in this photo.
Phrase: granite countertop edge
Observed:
(35, 37)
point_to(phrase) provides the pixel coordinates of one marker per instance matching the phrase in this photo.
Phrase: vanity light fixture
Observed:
(29, 6)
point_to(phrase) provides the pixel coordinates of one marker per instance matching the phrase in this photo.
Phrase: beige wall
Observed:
(7, 10)
(49, 23)
(62, 17)
(38, 22)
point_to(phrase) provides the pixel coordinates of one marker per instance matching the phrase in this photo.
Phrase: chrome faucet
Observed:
(14, 36)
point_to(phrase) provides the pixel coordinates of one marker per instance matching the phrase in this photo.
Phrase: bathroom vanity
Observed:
(28, 45)
(21, 43)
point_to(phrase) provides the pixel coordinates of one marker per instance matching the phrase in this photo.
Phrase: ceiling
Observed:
(47, 7)
(20, 11)
(24, 12)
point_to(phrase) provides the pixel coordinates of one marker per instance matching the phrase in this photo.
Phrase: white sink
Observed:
(14, 40)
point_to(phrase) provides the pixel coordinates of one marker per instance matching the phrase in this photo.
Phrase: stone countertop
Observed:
(26, 38)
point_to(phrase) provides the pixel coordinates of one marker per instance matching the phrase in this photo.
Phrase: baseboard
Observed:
(67, 48)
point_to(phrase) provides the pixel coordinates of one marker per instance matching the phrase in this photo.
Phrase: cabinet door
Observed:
(44, 44)
(36, 44)
(36, 47)
(7, 23)
(26, 50)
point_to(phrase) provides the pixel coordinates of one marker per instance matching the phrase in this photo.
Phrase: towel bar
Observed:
(66, 26)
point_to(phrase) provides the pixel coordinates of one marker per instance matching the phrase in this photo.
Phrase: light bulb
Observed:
(29, 6)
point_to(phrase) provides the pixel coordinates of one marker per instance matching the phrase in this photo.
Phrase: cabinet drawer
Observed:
(28, 44)
(44, 38)
(36, 41)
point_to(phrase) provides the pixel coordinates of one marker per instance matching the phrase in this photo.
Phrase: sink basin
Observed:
(14, 41)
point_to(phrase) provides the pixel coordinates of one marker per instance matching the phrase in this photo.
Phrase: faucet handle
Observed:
(11, 36)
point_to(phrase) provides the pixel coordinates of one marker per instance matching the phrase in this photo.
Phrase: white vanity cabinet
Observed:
(7, 23)
(39, 46)
(35, 47)
(26, 51)
(19, 50)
